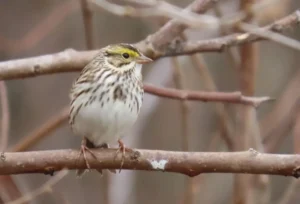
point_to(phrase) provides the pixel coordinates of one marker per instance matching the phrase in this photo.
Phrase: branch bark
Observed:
(188, 163)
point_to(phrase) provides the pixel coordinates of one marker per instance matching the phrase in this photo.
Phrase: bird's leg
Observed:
(85, 144)
(83, 149)
(122, 149)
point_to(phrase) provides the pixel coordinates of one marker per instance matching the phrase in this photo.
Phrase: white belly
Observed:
(105, 124)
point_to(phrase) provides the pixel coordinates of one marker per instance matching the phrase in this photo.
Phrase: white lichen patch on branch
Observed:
(159, 165)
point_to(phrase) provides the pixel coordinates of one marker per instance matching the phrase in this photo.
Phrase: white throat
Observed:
(137, 68)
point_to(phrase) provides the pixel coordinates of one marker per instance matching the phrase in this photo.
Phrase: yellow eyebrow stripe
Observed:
(121, 50)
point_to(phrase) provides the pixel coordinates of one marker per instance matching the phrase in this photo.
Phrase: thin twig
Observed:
(41, 30)
(230, 52)
(88, 24)
(162, 9)
(276, 135)
(246, 116)
(206, 77)
(5, 119)
(46, 187)
(275, 37)
(296, 133)
(179, 84)
(184, 109)
(289, 192)
(42, 131)
(279, 122)
(9, 190)
(233, 97)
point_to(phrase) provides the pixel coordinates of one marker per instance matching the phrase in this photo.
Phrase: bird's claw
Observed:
(122, 149)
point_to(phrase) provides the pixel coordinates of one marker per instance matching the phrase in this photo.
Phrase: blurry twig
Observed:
(280, 129)
(159, 8)
(289, 192)
(247, 128)
(155, 46)
(231, 53)
(45, 129)
(40, 31)
(179, 84)
(164, 9)
(201, 67)
(276, 125)
(88, 24)
(9, 190)
(5, 119)
(296, 133)
(46, 187)
(275, 37)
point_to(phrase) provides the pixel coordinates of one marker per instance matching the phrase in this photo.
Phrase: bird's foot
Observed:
(122, 149)
(83, 149)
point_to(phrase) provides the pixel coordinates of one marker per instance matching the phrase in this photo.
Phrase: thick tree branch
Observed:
(188, 163)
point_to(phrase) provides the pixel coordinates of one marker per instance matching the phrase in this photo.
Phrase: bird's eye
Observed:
(125, 55)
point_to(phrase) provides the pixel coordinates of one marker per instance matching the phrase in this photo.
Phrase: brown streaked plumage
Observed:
(107, 96)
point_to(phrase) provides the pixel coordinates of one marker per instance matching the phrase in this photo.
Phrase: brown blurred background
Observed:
(34, 27)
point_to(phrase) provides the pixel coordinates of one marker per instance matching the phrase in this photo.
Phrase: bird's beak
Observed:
(143, 60)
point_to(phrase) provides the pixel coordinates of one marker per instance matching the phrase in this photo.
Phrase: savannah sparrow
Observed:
(106, 97)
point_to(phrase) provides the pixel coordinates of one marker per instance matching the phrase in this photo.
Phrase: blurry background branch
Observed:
(163, 9)
(70, 60)
(46, 187)
(5, 117)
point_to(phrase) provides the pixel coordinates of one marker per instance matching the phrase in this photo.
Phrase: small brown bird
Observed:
(107, 97)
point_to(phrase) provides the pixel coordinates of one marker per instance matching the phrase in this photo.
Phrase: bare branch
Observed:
(160, 8)
(233, 97)
(267, 34)
(46, 187)
(5, 119)
(188, 163)
(88, 23)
